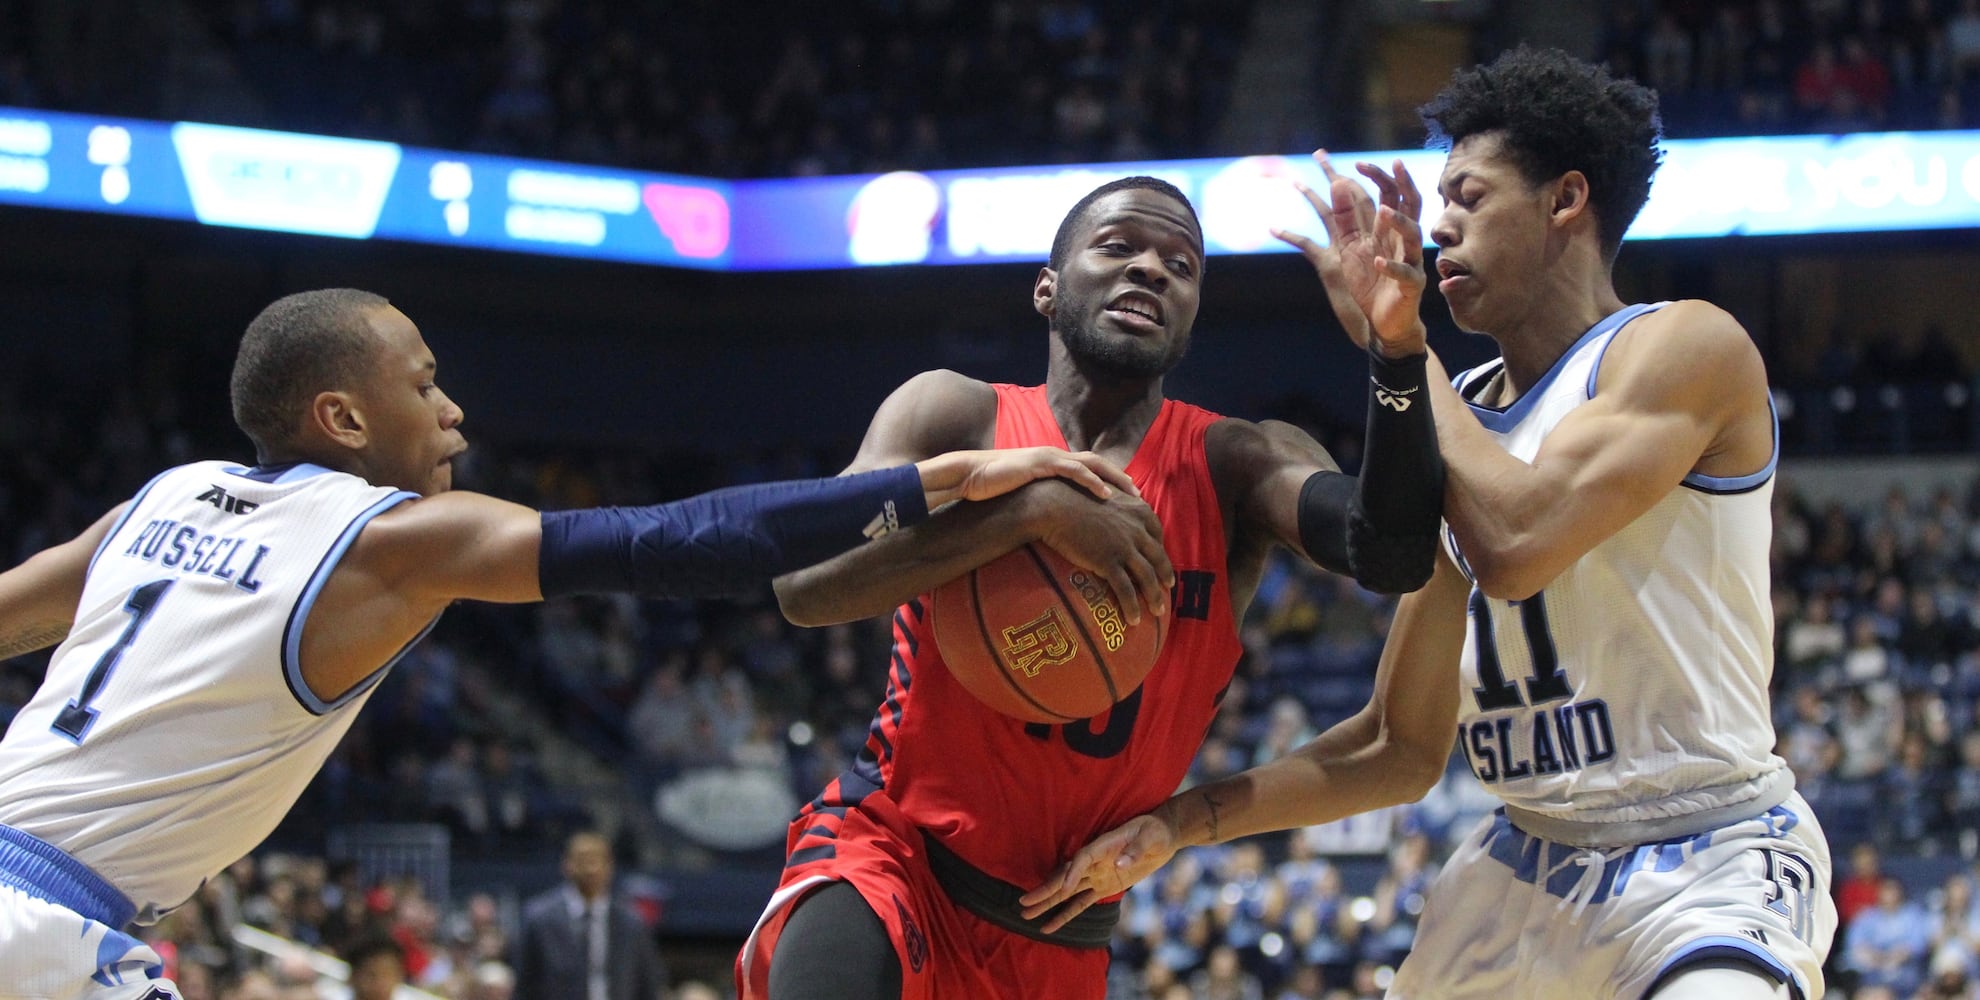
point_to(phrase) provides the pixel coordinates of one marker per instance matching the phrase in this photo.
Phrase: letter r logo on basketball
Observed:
(1041, 642)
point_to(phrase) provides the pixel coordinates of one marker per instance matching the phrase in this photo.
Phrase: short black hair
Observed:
(1556, 113)
(1062, 241)
(371, 946)
(300, 345)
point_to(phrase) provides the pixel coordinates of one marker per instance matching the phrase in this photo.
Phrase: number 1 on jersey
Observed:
(74, 721)
(1547, 681)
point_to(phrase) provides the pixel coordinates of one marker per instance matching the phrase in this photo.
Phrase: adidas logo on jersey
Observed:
(228, 502)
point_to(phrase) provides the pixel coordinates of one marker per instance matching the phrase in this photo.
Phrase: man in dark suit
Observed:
(577, 943)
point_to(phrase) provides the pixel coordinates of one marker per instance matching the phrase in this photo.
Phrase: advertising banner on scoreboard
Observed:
(367, 189)
(359, 189)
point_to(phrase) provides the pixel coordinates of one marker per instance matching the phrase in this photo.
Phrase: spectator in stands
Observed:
(1286, 728)
(1818, 83)
(1858, 890)
(1815, 637)
(1951, 978)
(1963, 40)
(662, 720)
(253, 984)
(1172, 924)
(1963, 796)
(1399, 901)
(1251, 903)
(1955, 915)
(1667, 56)
(579, 942)
(517, 797)
(1863, 729)
(377, 968)
(1321, 926)
(1913, 796)
(455, 794)
(1867, 78)
(491, 981)
(1804, 737)
(1223, 978)
(1888, 944)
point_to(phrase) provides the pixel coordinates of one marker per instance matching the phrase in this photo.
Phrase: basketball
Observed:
(1038, 638)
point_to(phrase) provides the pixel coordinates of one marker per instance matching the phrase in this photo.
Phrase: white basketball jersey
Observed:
(174, 730)
(1632, 690)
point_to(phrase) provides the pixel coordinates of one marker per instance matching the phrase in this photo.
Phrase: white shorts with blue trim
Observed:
(50, 952)
(1513, 915)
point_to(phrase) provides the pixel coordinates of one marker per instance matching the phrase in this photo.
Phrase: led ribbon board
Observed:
(363, 189)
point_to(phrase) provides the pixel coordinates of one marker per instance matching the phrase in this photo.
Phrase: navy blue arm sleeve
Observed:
(724, 542)
(1383, 531)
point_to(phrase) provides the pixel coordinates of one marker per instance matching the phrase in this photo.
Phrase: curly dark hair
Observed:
(1063, 239)
(300, 345)
(1556, 113)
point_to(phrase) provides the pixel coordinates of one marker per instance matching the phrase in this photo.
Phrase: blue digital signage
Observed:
(364, 189)
(359, 189)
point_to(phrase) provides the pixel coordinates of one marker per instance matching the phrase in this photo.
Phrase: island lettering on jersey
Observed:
(1558, 738)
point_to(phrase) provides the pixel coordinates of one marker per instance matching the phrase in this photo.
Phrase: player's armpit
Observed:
(38, 598)
(452, 546)
(1671, 392)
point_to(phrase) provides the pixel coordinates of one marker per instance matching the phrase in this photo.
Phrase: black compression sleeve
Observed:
(1323, 512)
(1381, 527)
(1402, 474)
(1392, 528)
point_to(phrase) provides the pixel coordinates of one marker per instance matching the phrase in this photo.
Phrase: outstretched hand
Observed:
(981, 475)
(1110, 864)
(1372, 265)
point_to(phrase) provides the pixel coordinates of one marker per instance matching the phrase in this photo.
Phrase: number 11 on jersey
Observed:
(74, 720)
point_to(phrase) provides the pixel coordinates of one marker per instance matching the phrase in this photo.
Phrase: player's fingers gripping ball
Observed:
(1036, 637)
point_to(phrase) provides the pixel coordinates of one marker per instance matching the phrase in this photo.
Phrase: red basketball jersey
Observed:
(1014, 798)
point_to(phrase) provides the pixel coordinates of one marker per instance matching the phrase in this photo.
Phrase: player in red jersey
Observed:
(903, 875)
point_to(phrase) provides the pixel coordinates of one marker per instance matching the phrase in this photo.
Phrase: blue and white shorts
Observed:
(61, 931)
(51, 952)
(1514, 915)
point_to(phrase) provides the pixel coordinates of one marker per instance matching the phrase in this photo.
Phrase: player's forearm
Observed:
(881, 575)
(726, 541)
(1392, 527)
(38, 598)
(26, 637)
(1498, 507)
(1351, 768)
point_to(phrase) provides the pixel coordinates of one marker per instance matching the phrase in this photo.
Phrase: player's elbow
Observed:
(1391, 564)
(802, 601)
(1510, 571)
(1511, 583)
(1418, 768)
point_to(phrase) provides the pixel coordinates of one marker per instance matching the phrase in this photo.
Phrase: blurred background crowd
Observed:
(688, 732)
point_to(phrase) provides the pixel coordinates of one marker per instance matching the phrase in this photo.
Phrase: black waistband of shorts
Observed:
(996, 900)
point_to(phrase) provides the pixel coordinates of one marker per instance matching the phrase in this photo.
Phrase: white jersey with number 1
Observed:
(174, 730)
